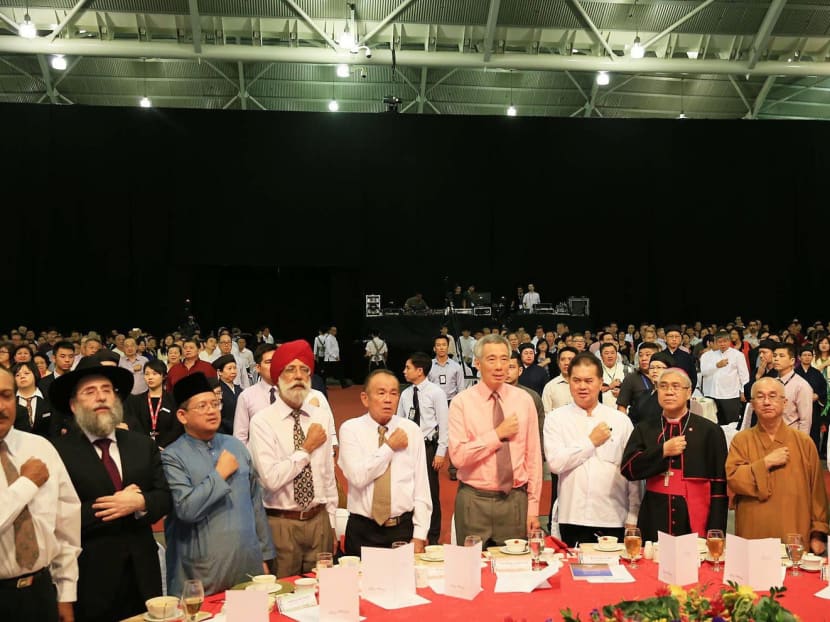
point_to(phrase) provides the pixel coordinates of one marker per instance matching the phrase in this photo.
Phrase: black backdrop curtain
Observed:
(113, 216)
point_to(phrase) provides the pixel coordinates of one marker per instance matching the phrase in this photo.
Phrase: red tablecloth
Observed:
(580, 596)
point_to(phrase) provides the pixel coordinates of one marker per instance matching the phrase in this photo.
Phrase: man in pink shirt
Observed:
(494, 442)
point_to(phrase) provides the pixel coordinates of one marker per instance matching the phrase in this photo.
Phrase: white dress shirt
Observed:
(55, 510)
(258, 397)
(432, 404)
(209, 358)
(362, 462)
(723, 382)
(271, 443)
(530, 300)
(332, 348)
(592, 491)
(557, 392)
(37, 395)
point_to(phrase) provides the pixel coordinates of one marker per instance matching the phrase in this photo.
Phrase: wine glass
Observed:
(536, 541)
(795, 549)
(193, 595)
(472, 540)
(715, 543)
(633, 543)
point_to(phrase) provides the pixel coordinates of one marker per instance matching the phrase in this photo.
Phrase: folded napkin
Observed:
(552, 542)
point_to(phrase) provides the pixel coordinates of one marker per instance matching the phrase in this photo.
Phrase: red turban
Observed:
(287, 352)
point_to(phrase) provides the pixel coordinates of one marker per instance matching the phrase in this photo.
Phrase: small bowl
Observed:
(162, 607)
(264, 578)
(607, 540)
(305, 584)
(349, 560)
(516, 545)
(811, 562)
(434, 550)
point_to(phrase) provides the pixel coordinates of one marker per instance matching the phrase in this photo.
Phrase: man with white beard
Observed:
(120, 481)
(292, 453)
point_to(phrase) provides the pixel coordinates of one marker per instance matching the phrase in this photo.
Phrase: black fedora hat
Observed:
(63, 388)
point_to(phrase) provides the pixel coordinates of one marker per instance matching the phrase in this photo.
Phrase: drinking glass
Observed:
(633, 543)
(715, 543)
(536, 541)
(324, 560)
(472, 540)
(795, 549)
(193, 595)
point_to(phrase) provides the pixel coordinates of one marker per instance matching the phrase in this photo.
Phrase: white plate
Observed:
(805, 569)
(507, 551)
(271, 588)
(609, 548)
(432, 558)
(178, 616)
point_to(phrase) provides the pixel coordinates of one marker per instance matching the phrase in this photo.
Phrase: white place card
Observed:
(389, 576)
(246, 606)
(679, 558)
(294, 602)
(339, 594)
(755, 563)
(462, 571)
(525, 582)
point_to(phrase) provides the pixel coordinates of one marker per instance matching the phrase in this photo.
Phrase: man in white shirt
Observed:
(376, 351)
(226, 347)
(384, 460)
(246, 357)
(584, 443)
(292, 453)
(36, 485)
(724, 373)
(467, 342)
(531, 298)
(613, 373)
(557, 392)
(332, 365)
(134, 363)
(210, 352)
(445, 372)
(426, 405)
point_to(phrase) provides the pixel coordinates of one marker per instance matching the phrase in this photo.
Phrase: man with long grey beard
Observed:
(292, 452)
(120, 481)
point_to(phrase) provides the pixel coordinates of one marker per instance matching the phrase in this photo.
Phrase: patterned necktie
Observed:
(303, 482)
(416, 407)
(26, 548)
(504, 464)
(382, 492)
(273, 394)
(30, 411)
(109, 464)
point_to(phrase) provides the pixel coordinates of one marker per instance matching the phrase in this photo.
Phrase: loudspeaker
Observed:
(579, 306)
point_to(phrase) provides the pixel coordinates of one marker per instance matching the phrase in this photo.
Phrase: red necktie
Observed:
(109, 464)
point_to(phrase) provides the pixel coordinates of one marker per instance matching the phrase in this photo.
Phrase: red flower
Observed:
(619, 616)
(663, 590)
(716, 606)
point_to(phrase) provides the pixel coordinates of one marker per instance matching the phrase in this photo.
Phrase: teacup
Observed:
(434, 550)
(305, 584)
(516, 545)
(162, 607)
(264, 578)
(607, 541)
(349, 560)
(811, 562)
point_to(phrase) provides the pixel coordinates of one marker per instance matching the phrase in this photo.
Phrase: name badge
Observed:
(442, 379)
(412, 412)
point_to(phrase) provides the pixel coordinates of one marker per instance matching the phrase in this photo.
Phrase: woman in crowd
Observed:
(6, 354)
(736, 336)
(34, 412)
(154, 411)
(22, 354)
(161, 351)
(174, 355)
(543, 359)
(41, 362)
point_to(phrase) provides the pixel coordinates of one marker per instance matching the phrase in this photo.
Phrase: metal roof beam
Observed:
(762, 97)
(68, 19)
(385, 21)
(243, 94)
(490, 32)
(740, 93)
(10, 22)
(592, 29)
(195, 25)
(47, 78)
(764, 32)
(679, 22)
(405, 58)
(307, 19)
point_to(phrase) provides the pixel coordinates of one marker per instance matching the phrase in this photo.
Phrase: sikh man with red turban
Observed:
(292, 453)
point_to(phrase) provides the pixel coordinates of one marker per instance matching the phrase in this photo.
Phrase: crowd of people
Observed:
(100, 438)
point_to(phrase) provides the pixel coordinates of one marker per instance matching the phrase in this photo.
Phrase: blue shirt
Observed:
(217, 531)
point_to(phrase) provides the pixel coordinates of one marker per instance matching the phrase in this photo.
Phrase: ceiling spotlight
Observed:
(603, 78)
(27, 28)
(347, 40)
(342, 71)
(145, 102)
(637, 50)
(511, 111)
(682, 115)
(59, 62)
(334, 106)
(692, 54)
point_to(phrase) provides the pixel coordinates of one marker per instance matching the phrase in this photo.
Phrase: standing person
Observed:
(154, 411)
(445, 372)
(816, 381)
(218, 530)
(190, 364)
(681, 457)
(120, 482)
(426, 405)
(40, 523)
(376, 351)
(682, 359)
(333, 365)
(776, 475)
(34, 410)
(725, 373)
(174, 356)
(584, 444)
(226, 371)
(637, 381)
(134, 363)
(494, 442)
(531, 298)
(292, 452)
(613, 373)
(384, 460)
(557, 392)
(240, 379)
(533, 377)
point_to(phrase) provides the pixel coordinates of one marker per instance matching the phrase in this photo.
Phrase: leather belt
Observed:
(392, 522)
(24, 580)
(296, 514)
(493, 494)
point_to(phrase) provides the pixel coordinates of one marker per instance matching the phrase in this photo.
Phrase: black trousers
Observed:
(729, 410)
(36, 603)
(434, 532)
(363, 531)
(572, 535)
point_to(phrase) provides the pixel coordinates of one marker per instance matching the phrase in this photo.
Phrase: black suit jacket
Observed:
(47, 421)
(167, 426)
(229, 398)
(686, 362)
(123, 549)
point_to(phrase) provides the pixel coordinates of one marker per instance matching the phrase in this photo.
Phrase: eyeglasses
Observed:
(676, 387)
(203, 407)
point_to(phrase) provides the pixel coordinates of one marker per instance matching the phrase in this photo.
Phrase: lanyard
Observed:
(154, 416)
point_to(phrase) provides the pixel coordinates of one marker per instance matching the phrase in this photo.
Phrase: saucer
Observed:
(431, 558)
(609, 548)
(271, 588)
(711, 560)
(507, 551)
(805, 569)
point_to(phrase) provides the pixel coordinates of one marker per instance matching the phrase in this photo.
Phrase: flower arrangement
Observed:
(733, 603)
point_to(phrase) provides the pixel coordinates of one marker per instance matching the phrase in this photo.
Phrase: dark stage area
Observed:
(116, 215)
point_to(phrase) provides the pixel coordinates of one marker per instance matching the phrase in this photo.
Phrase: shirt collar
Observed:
(13, 440)
(93, 438)
(37, 394)
(486, 391)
